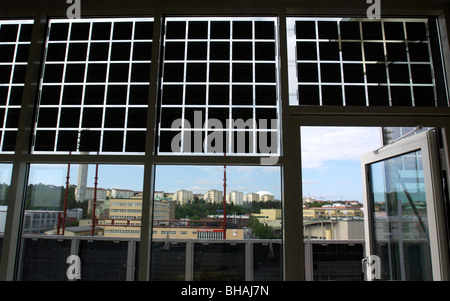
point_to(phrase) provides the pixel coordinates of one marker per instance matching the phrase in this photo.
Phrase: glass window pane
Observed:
(60, 203)
(189, 207)
(102, 62)
(212, 63)
(333, 198)
(335, 261)
(15, 37)
(398, 196)
(375, 62)
(5, 182)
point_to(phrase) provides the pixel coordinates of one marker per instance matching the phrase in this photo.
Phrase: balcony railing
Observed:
(117, 259)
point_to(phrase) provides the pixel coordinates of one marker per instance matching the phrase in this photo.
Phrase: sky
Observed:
(200, 179)
(331, 166)
(331, 169)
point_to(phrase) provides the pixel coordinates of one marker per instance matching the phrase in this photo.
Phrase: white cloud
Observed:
(309, 182)
(321, 144)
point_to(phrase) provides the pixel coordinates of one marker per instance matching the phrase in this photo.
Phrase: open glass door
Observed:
(403, 199)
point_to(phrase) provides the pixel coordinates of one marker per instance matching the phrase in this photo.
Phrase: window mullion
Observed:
(149, 167)
(293, 257)
(13, 224)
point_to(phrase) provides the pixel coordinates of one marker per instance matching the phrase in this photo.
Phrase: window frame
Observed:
(292, 117)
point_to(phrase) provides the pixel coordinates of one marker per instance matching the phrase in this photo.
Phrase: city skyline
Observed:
(331, 169)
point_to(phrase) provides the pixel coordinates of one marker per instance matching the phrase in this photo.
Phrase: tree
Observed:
(261, 231)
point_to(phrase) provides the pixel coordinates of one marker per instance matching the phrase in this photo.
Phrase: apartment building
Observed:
(122, 193)
(213, 196)
(183, 196)
(235, 197)
(125, 216)
(251, 197)
(266, 197)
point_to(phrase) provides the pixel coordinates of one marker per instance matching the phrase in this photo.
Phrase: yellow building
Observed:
(270, 217)
(196, 233)
(333, 212)
(125, 216)
(268, 214)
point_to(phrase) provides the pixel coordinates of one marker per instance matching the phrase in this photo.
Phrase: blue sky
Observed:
(200, 179)
(331, 169)
(331, 166)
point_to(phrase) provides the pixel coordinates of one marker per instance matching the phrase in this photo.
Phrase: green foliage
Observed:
(199, 209)
(202, 209)
(44, 197)
(4, 188)
(260, 230)
(49, 197)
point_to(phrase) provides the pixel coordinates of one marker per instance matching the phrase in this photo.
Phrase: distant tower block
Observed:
(80, 194)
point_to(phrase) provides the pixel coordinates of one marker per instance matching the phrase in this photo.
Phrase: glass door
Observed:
(403, 199)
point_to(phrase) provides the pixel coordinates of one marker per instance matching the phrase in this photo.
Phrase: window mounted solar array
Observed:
(219, 86)
(94, 86)
(348, 62)
(15, 37)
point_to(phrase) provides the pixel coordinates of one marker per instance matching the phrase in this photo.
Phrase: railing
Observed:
(44, 257)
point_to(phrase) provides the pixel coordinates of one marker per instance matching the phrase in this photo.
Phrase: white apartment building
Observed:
(213, 196)
(251, 197)
(39, 221)
(183, 196)
(121, 193)
(235, 197)
(158, 194)
(266, 198)
(101, 193)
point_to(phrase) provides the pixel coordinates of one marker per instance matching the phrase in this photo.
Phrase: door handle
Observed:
(363, 263)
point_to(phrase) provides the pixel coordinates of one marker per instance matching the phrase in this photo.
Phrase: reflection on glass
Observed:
(5, 181)
(94, 86)
(190, 201)
(400, 218)
(223, 262)
(217, 210)
(71, 201)
(219, 86)
(340, 61)
(61, 199)
(334, 261)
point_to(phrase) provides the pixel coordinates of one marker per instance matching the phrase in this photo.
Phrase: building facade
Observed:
(183, 196)
(235, 197)
(213, 196)
(122, 193)
(125, 216)
(266, 198)
(251, 197)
